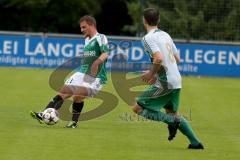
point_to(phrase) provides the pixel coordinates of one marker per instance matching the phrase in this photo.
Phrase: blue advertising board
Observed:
(209, 59)
(35, 51)
(50, 52)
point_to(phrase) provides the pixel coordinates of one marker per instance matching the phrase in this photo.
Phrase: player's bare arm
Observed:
(177, 57)
(97, 62)
(149, 77)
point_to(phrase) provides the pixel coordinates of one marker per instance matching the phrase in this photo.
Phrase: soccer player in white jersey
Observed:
(165, 81)
(91, 76)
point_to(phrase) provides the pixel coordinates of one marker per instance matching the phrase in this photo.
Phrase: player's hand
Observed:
(149, 77)
(94, 69)
(95, 65)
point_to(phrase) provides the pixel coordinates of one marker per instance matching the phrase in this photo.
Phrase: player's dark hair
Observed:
(151, 15)
(89, 19)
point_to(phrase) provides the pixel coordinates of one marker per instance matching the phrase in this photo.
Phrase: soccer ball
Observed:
(50, 116)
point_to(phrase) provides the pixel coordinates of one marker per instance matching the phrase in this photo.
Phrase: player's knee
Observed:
(65, 90)
(137, 109)
(78, 99)
(64, 96)
(168, 111)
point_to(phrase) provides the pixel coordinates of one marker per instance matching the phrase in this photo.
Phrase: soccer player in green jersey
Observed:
(89, 79)
(165, 81)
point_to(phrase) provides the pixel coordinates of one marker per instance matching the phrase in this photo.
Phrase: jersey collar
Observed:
(87, 40)
(153, 30)
(92, 37)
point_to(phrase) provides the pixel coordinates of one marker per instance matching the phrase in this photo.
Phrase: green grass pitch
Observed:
(214, 103)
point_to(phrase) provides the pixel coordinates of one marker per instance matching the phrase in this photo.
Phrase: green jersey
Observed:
(93, 49)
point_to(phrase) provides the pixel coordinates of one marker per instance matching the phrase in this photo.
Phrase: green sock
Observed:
(186, 129)
(157, 116)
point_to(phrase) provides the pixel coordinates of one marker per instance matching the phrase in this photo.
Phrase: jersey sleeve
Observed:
(103, 43)
(174, 49)
(150, 45)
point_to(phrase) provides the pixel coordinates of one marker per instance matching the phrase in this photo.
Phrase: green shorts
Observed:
(154, 98)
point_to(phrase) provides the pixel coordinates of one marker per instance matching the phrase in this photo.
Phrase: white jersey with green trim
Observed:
(159, 41)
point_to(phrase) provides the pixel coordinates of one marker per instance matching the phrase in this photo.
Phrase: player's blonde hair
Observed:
(89, 19)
